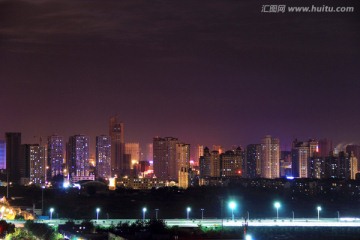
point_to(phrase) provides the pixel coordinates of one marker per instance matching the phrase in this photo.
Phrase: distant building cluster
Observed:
(167, 160)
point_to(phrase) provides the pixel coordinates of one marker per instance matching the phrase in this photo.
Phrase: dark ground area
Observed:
(172, 202)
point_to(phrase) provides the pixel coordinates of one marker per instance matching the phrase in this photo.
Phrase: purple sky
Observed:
(207, 72)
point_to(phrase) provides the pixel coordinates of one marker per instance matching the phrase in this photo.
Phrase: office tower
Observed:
(78, 151)
(325, 148)
(164, 150)
(270, 156)
(353, 166)
(355, 149)
(301, 153)
(133, 149)
(37, 155)
(15, 165)
(204, 163)
(231, 163)
(55, 159)
(252, 161)
(2, 154)
(103, 157)
(116, 132)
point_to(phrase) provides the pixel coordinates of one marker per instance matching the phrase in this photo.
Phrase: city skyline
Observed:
(204, 72)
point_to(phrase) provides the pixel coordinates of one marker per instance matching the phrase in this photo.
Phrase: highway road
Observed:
(213, 223)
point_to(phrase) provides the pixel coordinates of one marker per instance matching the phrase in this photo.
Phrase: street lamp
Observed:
(188, 209)
(277, 206)
(248, 237)
(318, 210)
(232, 206)
(97, 214)
(144, 211)
(42, 200)
(51, 212)
(156, 213)
(202, 214)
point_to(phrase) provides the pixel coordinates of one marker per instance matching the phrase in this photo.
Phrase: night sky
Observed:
(208, 72)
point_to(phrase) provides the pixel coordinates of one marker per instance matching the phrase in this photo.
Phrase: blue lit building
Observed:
(78, 156)
(103, 156)
(2, 154)
(37, 164)
(55, 155)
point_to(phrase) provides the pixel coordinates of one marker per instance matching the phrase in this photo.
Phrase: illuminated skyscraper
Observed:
(215, 166)
(55, 153)
(133, 149)
(15, 165)
(183, 164)
(355, 150)
(301, 153)
(103, 156)
(164, 150)
(270, 157)
(2, 154)
(37, 156)
(353, 166)
(116, 131)
(78, 149)
(199, 152)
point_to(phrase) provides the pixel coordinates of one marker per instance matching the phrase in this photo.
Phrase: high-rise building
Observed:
(116, 132)
(15, 165)
(25, 155)
(215, 164)
(183, 164)
(182, 156)
(133, 149)
(338, 166)
(285, 163)
(103, 156)
(301, 153)
(316, 166)
(2, 154)
(164, 150)
(199, 152)
(270, 157)
(55, 153)
(355, 150)
(252, 161)
(204, 163)
(353, 166)
(231, 163)
(344, 165)
(37, 155)
(78, 152)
